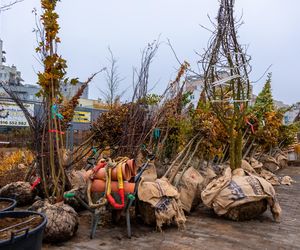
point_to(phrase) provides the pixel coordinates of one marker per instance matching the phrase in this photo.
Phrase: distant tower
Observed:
(1, 51)
(2, 58)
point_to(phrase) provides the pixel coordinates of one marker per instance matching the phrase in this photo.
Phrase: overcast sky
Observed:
(88, 27)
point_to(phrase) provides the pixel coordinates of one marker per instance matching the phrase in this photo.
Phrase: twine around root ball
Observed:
(20, 191)
(62, 221)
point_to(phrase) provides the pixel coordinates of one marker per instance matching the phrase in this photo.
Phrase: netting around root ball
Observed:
(62, 221)
(20, 191)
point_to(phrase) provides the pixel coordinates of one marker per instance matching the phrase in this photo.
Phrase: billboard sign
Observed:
(12, 116)
(82, 117)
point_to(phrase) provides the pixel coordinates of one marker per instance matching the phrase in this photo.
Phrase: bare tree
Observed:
(137, 122)
(111, 94)
(226, 78)
(7, 6)
(141, 75)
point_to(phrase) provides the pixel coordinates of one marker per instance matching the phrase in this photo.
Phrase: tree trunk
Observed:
(236, 145)
(238, 150)
(232, 151)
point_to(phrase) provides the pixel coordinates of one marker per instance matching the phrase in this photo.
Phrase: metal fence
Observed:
(15, 136)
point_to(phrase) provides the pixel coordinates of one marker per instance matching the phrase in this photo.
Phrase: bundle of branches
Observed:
(158, 123)
(108, 128)
(183, 160)
(139, 122)
(214, 138)
(272, 134)
(68, 106)
(288, 134)
(173, 118)
(126, 126)
(206, 140)
(226, 82)
(267, 133)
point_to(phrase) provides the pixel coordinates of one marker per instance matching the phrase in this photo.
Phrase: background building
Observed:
(12, 117)
(195, 85)
(27, 92)
(69, 90)
(8, 74)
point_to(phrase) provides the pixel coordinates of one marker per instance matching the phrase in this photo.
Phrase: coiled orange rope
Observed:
(121, 191)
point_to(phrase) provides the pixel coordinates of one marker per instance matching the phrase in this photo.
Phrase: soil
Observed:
(6, 225)
(4, 204)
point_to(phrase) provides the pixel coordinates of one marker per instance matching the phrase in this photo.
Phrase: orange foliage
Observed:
(11, 160)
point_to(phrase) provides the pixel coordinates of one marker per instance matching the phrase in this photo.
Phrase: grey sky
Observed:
(88, 27)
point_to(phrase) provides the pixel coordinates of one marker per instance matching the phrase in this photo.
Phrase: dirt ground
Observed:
(204, 230)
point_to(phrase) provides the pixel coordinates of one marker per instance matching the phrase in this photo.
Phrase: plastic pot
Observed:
(98, 186)
(25, 239)
(11, 207)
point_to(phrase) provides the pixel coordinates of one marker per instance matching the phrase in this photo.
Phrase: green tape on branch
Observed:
(156, 133)
(55, 113)
(69, 195)
(131, 197)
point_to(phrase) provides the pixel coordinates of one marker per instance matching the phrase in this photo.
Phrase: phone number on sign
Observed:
(13, 123)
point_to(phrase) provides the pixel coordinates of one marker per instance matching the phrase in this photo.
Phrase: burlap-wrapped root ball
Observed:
(62, 220)
(147, 213)
(20, 191)
(247, 211)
